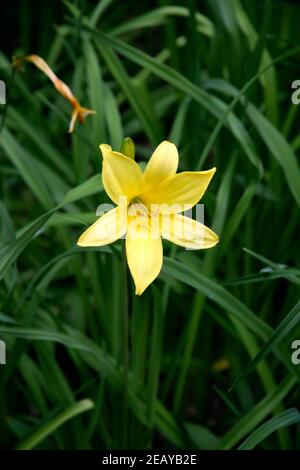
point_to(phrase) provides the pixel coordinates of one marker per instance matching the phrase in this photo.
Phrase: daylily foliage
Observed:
(149, 207)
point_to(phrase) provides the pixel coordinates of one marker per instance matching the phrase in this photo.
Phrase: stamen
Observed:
(137, 208)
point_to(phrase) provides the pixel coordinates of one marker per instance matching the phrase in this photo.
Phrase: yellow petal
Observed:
(144, 253)
(187, 232)
(162, 164)
(179, 192)
(107, 229)
(121, 176)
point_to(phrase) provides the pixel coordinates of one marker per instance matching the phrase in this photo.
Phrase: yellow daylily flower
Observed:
(79, 112)
(148, 209)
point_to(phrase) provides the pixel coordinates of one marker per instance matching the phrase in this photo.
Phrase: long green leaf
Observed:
(213, 105)
(274, 140)
(14, 249)
(287, 324)
(217, 294)
(106, 365)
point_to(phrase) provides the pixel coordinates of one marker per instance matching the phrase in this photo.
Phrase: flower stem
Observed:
(125, 344)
